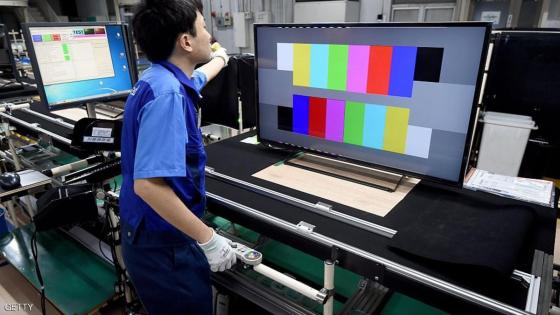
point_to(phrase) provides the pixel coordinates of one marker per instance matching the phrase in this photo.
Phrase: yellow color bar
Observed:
(396, 126)
(302, 64)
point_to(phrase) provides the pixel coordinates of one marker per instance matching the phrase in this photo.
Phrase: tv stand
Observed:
(352, 172)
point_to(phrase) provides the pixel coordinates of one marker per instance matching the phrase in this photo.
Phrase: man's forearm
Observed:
(156, 193)
(212, 68)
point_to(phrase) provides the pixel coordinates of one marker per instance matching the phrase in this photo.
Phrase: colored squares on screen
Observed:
(301, 114)
(317, 116)
(428, 64)
(301, 62)
(337, 67)
(369, 125)
(335, 120)
(354, 123)
(357, 71)
(319, 66)
(285, 115)
(374, 125)
(402, 71)
(381, 70)
(396, 126)
(285, 56)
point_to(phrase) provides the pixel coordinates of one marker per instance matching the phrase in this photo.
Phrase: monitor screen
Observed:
(400, 96)
(78, 63)
(524, 79)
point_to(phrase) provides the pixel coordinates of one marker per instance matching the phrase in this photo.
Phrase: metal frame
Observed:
(127, 37)
(401, 270)
(472, 118)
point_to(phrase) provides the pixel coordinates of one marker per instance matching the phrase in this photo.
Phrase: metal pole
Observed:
(328, 283)
(35, 128)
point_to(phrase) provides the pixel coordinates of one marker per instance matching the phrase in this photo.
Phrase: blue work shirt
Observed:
(161, 139)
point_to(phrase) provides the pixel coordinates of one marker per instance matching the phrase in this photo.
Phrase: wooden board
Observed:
(361, 197)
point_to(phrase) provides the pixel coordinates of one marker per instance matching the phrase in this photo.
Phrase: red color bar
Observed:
(379, 70)
(317, 116)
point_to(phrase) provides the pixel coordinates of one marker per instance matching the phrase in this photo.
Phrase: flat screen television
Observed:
(398, 96)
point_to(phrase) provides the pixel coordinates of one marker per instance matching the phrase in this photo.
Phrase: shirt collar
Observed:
(179, 74)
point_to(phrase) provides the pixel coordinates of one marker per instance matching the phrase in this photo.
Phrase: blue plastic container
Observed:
(3, 225)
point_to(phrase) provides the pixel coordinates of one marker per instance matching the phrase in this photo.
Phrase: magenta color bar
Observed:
(335, 120)
(358, 57)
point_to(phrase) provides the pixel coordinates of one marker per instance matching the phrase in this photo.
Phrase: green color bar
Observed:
(66, 58)
(338, 64)
(47, 37)
(396, 127)
(354, 123)
(65, 49)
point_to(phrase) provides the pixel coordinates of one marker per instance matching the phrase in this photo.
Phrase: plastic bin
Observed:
(504, 139)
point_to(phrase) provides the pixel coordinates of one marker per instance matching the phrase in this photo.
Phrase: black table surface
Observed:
(241, 160)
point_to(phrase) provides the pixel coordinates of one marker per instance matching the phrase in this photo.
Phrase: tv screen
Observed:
(399, 96)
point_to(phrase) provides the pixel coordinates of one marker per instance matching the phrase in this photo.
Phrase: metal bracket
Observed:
(325, 294)
(305, 227)
(334, 254)
(323, 206)
(379, 273)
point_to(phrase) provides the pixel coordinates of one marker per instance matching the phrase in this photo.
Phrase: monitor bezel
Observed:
(474, 107)
(37, 72)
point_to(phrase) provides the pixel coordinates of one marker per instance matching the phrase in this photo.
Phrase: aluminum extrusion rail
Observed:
(404, 271)
(35, 128)
(318, 208)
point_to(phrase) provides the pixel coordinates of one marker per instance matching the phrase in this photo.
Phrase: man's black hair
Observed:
(157, 23)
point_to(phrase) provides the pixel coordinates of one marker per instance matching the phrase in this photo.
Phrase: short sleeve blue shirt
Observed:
(161, 139)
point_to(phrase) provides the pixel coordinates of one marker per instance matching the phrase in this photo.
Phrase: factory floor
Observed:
(15, 289)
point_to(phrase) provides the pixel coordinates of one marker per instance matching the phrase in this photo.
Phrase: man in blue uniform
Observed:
(167, 249)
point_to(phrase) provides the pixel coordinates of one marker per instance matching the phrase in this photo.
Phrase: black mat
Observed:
(468, 236)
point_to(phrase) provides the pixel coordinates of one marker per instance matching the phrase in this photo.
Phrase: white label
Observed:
(99, 140)
(101, 132)
(491, 16)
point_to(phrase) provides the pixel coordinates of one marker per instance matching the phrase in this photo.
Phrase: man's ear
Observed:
(184, 42)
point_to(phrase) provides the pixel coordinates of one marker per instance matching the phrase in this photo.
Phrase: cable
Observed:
(10, 83)
(103, 230)
(34, 252)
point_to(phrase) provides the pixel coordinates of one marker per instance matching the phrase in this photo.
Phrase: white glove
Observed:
(219, 253)
(221, 53)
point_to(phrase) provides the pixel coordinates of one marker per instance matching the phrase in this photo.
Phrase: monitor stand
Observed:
(90, 108)
(352, 172)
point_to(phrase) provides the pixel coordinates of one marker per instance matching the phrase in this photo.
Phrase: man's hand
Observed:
(221, 53)
(219, 253)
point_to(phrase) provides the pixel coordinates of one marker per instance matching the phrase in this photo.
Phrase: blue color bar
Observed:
(319, 65)
(402, 71)
(374, 125)
(301, 114)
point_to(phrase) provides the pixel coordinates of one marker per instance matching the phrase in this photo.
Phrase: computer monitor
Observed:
(398, 96)
(524, 79)
(75, 63)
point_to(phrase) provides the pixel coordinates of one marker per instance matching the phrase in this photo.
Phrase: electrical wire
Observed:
(103, 230)
(34, 252)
